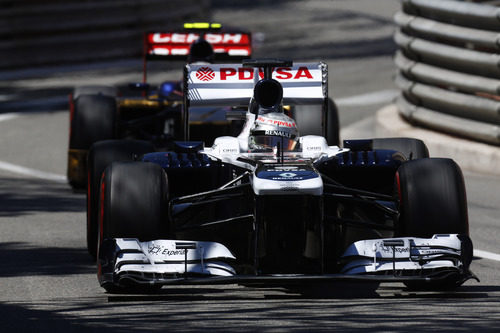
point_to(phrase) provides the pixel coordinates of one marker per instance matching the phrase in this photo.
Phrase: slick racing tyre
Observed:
(309, 118)
(133, 204)
(92, 119)
(101, 155)
(432, 198)
(432, 201)
(139, 205)
(411, 148)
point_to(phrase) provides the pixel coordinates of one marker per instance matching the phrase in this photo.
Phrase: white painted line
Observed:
(376, 97)
(32, 172)
(8, 116)
(486, 255)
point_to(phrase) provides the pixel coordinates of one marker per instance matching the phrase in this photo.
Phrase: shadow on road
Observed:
(240, 310)
(21, 196)
(22, 259)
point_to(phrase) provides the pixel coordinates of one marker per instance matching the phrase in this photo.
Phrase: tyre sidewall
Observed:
(101, 155)
(432, 198)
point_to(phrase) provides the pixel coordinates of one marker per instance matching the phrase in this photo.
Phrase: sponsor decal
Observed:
(281, 73)
(286, 168)
(230, 150)
(397, 249)
(160, 250)
(314, 148)
(281, 123)
(205, 74)
(287, 174)
(278, 133)
(188, 38)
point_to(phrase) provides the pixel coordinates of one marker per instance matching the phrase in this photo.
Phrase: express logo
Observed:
(205, 74)
(160, 250)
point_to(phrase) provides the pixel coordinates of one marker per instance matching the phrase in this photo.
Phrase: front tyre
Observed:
(101, 155)
(432, 201)
(432, 198)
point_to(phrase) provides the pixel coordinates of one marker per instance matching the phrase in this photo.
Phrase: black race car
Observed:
(273, 207)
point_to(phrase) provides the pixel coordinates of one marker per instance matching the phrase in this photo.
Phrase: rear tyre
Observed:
(309, 118)
(411, 148)
(134, 204)
(93, 118)
(432, 201)
(101, 155)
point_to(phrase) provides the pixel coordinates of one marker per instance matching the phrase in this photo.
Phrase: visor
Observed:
(270, 142)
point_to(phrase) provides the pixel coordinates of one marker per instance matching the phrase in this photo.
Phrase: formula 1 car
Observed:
(273, 207)
(102, 113)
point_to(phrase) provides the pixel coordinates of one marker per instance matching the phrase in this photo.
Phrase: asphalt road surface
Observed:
(48, 281)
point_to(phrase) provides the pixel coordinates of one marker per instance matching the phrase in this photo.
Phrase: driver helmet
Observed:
(272, 129)
(201, 51)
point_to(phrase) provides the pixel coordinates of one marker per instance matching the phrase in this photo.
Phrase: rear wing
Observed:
(232, 84)
(175, 44)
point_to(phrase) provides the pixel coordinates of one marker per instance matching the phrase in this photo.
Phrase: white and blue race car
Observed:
(273, 207)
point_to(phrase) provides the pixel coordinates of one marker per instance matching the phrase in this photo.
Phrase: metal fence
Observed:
(34, 32)
(449, 67)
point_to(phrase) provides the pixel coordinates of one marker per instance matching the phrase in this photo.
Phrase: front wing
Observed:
(126, 262)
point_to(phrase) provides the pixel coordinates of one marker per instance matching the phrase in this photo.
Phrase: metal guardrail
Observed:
(449, 67)
(50, 32)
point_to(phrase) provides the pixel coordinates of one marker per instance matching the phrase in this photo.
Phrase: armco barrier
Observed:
(449, 67)
(53, 32)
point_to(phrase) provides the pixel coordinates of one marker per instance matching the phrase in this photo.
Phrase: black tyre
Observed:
(101, 155)
(134, 201)
(93, 118)
(411, 148)
(309, 118)
(432, 201)
(432, 198)
(134, 204)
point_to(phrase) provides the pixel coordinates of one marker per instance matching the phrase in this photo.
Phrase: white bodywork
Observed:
(165, 257)
(231, 150)
(371, 256)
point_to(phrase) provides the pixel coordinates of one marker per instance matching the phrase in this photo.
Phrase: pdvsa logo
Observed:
(205, 74)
